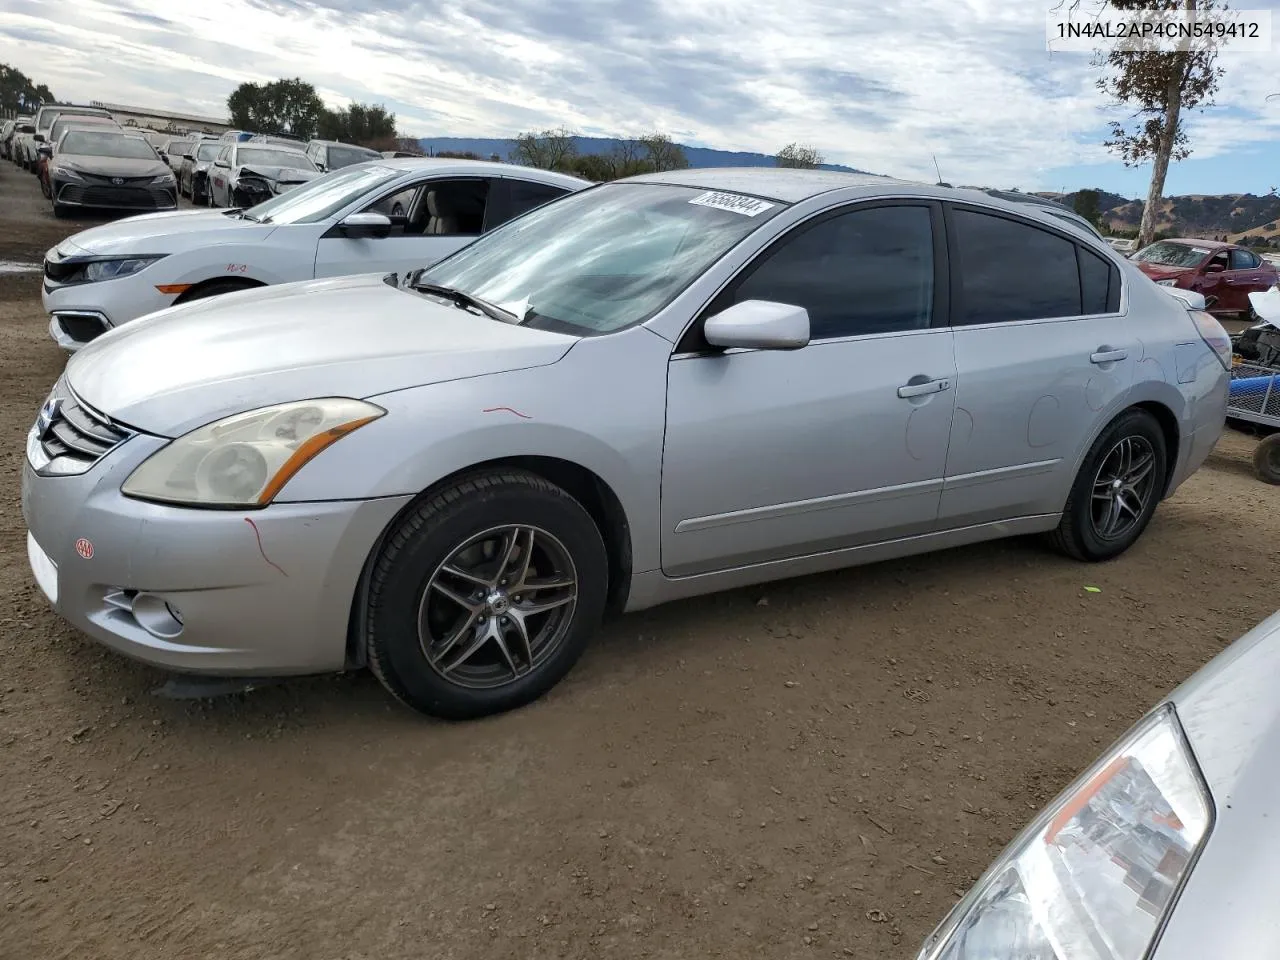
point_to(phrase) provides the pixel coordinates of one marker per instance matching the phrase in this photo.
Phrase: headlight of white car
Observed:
(245, 460)
(96, 270)
(1094, 877)
(1167, 283)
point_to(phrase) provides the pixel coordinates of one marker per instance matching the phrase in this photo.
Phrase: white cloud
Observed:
(969, 82)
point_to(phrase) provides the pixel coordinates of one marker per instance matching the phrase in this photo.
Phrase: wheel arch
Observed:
(583, 484)
(234, 284)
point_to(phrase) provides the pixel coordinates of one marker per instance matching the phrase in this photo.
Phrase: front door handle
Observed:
(920, 389)
(1104, 355)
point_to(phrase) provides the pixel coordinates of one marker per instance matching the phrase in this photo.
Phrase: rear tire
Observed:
(456, 632)
(1116, 491)
(1266, 459)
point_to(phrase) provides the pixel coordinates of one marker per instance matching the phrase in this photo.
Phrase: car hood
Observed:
(175, 370)
(1159, 271)
(1229, 713)
(112, 166)
(279, 174)
(171, 232)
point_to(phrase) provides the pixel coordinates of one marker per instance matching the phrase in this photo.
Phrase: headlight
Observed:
(97, 270)
(67, 173)
(164, 178)
(245, 460)
(1097, 872)
(1167, 283)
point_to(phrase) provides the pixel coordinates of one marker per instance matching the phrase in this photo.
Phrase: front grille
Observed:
(69, 429)
(81, 327)
(94, 178)
(132, 198)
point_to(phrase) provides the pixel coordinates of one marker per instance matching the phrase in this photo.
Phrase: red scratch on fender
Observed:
(258, 535)
(523, 416)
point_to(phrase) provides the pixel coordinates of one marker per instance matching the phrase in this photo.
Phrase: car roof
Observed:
(339, 143)
(787, 184)
(474, 168)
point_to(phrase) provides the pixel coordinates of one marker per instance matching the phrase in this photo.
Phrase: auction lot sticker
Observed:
(733, 202)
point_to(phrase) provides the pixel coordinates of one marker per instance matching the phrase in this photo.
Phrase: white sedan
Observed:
(386, 216)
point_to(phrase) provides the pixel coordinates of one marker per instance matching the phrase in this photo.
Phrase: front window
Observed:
(207, 152)
(265, 157)
(1167, 254)
(324, 196)
(91, 144)
(346, 156)
(602, 259)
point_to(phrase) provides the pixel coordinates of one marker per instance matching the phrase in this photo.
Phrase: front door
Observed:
(430, 220)
(1041, 351)
(773, 454)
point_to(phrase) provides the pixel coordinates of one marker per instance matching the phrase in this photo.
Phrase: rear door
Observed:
(1042, 353)
(1244, 275)
(442, 214)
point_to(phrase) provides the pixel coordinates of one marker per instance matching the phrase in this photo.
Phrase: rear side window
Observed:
(1243, 260)
(1008, 270)
(524, 196)
(1099, 283)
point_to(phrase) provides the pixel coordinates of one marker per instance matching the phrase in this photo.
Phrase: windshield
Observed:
(603, 259)
(346, 156)
(208, 151)
(266, 157)
(92, 144)
(1168, 254)
(324, 196)
(178, 147)
(63, 125)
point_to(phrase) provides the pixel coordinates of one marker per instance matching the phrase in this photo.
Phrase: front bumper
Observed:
(104, 196)
(256, 593)
(80, 312)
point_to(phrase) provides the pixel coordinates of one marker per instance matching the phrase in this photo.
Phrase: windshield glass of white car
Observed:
(274, 158)
(603, 259)
(208, 151)
(324, 196)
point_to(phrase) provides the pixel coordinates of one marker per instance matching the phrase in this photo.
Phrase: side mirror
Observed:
(38, 138)
(759, 325)
(222, 163)
(367, 224)
(1215, 268)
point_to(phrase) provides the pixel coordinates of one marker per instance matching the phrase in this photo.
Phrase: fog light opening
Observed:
(156, 616)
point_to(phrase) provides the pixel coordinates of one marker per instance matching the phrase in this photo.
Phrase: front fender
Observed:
(602, 407)
(256, 262)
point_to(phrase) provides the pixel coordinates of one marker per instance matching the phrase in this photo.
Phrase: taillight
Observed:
(1212, 333)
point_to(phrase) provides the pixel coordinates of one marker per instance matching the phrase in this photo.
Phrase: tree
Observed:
(1086, 204)
(361, 123)
(802, 157)
(18, 94)
(1159, 86)
(546, 149)
(281, 106)
(663, 153)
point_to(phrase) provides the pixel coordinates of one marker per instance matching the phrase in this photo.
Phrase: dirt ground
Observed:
(812, 769)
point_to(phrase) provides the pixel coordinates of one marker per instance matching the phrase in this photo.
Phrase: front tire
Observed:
(485, 595)
(1266, 459)
(1116, 491)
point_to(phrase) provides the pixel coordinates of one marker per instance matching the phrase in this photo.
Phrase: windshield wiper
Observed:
(464, 299)
(250, 217)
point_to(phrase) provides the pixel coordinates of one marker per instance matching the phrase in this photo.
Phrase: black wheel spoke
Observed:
(1121, 490)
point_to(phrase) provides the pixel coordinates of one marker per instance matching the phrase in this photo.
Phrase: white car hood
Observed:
(172, 232)
(186, 366)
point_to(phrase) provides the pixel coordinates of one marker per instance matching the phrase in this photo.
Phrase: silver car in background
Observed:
(646, 390)
(1165, 849)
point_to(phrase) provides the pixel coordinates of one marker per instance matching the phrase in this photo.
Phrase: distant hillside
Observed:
(698, 156)
(1233, 215)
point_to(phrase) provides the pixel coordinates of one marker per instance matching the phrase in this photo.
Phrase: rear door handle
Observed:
(1108, 356)
(920, 389)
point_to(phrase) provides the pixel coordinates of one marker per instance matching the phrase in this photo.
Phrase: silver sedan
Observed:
(1163, 849)
(651, 389)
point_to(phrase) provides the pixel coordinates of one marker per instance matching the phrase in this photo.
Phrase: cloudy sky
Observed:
(969, 81)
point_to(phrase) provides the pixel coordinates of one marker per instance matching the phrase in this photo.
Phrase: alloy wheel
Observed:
(1123, 487)
(498, 606)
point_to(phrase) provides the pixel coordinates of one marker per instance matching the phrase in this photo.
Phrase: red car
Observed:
(1225, 273)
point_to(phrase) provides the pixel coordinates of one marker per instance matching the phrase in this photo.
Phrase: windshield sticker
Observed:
(1200, 250)
(733, 202)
